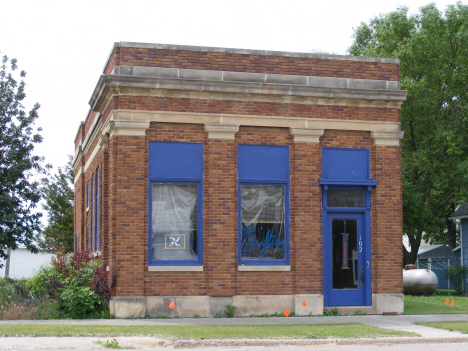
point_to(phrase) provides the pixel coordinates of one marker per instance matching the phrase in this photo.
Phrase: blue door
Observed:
(346, 260)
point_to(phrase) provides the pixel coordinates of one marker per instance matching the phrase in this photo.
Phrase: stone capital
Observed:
(104, 141)
(221, 131)
(306, 135)
(387, 138)
(126, 128)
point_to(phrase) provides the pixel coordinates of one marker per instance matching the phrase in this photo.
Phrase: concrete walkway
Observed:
(401, 322)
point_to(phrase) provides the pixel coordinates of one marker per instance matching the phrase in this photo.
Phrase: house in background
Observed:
(461, 216)
(437, 258)
(23, 263)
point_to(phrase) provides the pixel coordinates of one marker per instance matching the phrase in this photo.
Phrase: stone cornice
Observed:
(78, 173)
(77, 158)
(150, 78)
(128, 116)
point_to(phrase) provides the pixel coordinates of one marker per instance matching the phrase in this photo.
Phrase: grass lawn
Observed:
(318, 331)
(458, 326)
(435, 304)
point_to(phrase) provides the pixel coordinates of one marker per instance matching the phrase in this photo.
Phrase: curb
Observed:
(315, 342)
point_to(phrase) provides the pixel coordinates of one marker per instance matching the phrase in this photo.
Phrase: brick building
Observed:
(270, 181)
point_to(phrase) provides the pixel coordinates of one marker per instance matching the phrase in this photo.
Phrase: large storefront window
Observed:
(262, 217)
(263, 173)
(175, 204)
(174, 222)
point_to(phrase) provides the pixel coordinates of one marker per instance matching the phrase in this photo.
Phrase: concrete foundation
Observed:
(388, 303)
(262, 304)
(313, 305)
(246, 305)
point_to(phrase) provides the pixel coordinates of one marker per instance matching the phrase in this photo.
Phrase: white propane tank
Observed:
(419, 282)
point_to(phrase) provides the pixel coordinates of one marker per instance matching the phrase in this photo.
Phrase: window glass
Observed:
(174, 220)
(345, 254)
(262, 217)
(345, 198)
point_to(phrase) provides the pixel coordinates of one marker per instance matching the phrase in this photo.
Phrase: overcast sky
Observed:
(63, 45)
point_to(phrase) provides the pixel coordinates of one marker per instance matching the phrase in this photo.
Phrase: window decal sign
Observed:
(270, 240)
(174, 242)
(345, 251)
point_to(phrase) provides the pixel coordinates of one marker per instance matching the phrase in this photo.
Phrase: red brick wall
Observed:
(388, 247)
(152, 103)
(306, 218)
(126, 201)
(89, 121)
(251, 63)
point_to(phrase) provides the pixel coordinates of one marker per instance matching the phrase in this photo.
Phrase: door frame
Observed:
(365, 212)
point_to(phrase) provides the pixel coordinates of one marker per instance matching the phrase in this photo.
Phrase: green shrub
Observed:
(332, 312)
(72, 286)
(45, 282)
(230, 311)
(457, 273)
(79, 302)
(79, 286)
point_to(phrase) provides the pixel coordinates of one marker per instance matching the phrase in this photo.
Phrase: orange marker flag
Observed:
(453, 303)
(447, 301)
(304, 304)
(286, 313)
(172, 305)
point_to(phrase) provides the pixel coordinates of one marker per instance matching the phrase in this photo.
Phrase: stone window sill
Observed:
(175, 268)
(264, 268)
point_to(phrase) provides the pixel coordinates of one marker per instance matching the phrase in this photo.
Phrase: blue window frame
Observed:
(175, 206)
(96, 214)
(87, 194)
(91, 209)
(263, 210)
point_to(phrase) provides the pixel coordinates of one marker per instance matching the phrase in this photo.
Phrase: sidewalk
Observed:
(401, 322)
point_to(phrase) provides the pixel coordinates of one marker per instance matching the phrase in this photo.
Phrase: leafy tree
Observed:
(59, 204)
(19, 192)
(433, 50)
(457, 274)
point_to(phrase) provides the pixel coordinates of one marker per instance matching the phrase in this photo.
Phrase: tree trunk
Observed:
(406, 257)
(415, 242)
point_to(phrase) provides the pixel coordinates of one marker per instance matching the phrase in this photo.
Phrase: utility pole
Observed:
(7, 266)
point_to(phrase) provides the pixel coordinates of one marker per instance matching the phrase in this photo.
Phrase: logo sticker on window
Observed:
(175, 241)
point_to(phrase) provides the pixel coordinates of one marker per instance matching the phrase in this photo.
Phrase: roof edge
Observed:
(124, 44)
